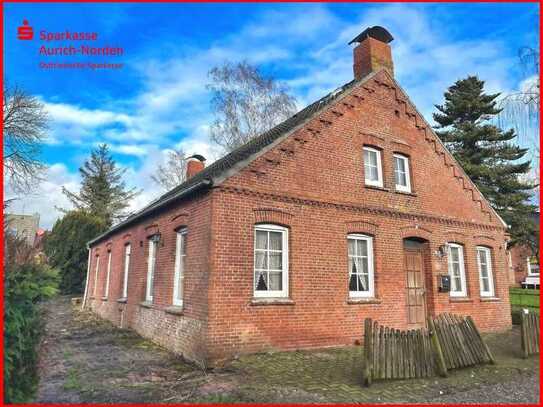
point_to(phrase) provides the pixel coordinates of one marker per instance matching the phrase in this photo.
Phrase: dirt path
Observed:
(85, 359)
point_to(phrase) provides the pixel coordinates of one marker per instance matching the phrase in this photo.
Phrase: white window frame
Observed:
(127, 254)
(284, 261)
(370, 293)
(151, 265)
(379, 181)
(180, 263)
(464, 291)
(529, 264)
(488, 259)
(399, 187)
(96, 271)
(108, 272)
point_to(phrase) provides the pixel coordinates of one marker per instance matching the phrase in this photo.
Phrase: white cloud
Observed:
(47, 196)
(171, 109)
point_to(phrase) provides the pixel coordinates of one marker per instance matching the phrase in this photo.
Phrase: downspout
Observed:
(86, 280)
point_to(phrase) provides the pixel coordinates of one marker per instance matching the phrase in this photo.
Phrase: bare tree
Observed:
(245, 104)
(25, 122)
(520, 109)
(173, 172)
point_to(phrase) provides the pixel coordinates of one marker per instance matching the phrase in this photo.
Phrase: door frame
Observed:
(420, 251)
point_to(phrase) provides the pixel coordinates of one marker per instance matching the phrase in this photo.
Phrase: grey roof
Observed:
(218, 168)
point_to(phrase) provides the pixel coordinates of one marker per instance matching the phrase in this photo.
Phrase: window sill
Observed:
(272, 301)
(104, 298)
(364, 301)
(91, 297)
(460, 299)
(174, 310)
(490, 299)
(122, 300)
(405, 193)
(146, 304)
(376, 188)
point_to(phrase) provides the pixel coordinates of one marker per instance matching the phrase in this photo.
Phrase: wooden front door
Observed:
(416, 293)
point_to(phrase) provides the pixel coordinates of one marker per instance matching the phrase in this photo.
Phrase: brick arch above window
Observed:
(272, 215)
(361, 226)
(455, 236)
(484, 240)
(108, 245)
(416, 231)
(180, 219)
(152, 229)
(127, 237)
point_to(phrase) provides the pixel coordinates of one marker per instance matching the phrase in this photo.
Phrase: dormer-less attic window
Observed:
(402, 177)
(373, 169)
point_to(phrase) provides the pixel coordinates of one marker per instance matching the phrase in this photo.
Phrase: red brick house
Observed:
(351, 208)
(524, 264)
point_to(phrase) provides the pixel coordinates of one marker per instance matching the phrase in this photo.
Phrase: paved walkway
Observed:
(85, 359)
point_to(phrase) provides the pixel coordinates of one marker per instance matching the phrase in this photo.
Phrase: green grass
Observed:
(521, 298)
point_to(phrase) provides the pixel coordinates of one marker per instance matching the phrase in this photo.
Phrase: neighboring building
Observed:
(352, 208)
(24, 226)
(524, 264)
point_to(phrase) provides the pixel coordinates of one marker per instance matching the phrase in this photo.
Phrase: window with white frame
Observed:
(402, 177)
(373, 170)
(270, 261)
(457, 270)
(360, 252)
(96, 270)
(127, 250)
(180, 262)
(108, 271)
(151, 264)
(533, 266)
(484, 263)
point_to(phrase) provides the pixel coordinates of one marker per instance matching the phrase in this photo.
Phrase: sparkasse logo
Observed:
(25, 31)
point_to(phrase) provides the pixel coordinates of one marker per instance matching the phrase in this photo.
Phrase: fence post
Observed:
(368, 352)
(441, 367)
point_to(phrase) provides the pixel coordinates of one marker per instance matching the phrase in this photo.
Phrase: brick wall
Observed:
(519, 265)
(182, 330)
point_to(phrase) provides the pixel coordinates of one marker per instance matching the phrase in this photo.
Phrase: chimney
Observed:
(195, 164)
(372, 52)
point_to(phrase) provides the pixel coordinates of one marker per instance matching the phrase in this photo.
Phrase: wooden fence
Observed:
(450, 342)
(529, 330)
(461, 342)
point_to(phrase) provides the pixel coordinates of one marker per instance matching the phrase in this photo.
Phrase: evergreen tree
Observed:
(66, 247)
(487, 153)
(103, 192)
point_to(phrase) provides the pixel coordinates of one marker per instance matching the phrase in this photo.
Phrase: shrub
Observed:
(66, 248)
(24, 286)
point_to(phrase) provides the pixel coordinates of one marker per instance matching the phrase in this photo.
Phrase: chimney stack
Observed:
(372, 52)
(195, 164)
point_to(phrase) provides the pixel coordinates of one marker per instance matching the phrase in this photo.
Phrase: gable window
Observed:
(96, 270)
(180, 262)
(126, 268)
(151, 264)
(360, 252)
(533, 266)
(270, 261)
(402, 178)
(484, 264)
(106, 283)
(373, 170)
(456, 270)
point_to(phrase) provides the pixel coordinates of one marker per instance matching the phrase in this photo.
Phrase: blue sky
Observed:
(158, 100)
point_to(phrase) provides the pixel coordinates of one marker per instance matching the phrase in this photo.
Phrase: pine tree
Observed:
(103, 193)
(488, 154)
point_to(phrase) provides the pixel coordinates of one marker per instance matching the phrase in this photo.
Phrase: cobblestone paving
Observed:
(85, 359)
